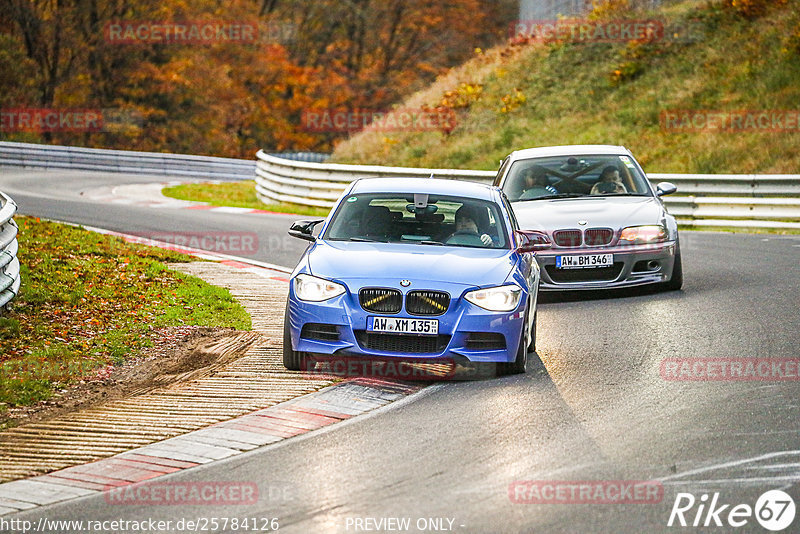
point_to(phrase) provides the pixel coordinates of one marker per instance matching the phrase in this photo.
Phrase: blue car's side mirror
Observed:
(304, 229)
(532, 241)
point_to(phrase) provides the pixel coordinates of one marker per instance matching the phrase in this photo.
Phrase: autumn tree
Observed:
(232, 98)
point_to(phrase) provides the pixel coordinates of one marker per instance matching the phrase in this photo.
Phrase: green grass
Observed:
(614, 93)
(89, 301)
(738, 230)
(236, 194)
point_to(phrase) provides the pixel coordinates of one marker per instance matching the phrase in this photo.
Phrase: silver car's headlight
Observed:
(635, 235)
(315, 289)
(498, 298)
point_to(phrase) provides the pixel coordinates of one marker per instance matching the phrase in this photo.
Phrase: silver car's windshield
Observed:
(573, 177)
(419, 219)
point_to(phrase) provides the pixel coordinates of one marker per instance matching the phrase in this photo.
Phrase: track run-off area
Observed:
(547, 451)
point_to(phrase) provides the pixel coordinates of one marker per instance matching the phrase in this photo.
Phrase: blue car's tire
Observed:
(518, 365)
(532, 345)
(291, 358)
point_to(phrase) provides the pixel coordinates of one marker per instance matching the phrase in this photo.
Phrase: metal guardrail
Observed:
(99, 159)
(321, 184)
(302, 178)
(128, 161)
(9, 264)
(764, 201)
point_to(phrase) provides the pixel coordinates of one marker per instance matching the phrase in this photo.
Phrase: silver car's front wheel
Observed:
(676, 280)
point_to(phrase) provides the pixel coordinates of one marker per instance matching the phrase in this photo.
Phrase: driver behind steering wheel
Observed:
(467, 230)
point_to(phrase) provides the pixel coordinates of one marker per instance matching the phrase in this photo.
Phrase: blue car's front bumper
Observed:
(465, 330)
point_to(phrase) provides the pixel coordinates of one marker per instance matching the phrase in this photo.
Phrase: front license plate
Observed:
(584, 261)
(425, 327)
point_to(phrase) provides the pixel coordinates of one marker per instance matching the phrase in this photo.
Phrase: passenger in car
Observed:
(609, 182)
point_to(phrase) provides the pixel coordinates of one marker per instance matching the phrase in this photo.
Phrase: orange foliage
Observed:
(232, 97)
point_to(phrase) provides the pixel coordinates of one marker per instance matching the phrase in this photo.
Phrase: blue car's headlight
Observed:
(498, 298)
(314, 289)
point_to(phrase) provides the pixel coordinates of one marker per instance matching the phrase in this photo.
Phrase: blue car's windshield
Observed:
(424, 220)
(573, 177)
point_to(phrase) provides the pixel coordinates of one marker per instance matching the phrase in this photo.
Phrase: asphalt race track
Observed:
(595, 408)
(66, 196)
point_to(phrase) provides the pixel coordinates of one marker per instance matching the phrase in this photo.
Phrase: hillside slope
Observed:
(721, 55)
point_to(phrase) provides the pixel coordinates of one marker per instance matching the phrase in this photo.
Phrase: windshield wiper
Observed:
(561, 195)
(366, 240)
(431, 243)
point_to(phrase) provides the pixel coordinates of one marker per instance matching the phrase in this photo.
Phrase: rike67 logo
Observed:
(774, 510)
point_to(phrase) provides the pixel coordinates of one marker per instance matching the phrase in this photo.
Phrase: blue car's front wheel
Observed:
(521, 360)
(291, 358)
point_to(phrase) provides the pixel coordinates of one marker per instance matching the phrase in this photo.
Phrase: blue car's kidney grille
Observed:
(598, 237)
(398, 343)
(380, 300)
(427, 302)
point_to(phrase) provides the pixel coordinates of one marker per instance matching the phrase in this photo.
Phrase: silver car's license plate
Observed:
(584, 261)
(399, 325)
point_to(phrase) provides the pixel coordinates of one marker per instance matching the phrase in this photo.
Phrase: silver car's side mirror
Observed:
(665, 188)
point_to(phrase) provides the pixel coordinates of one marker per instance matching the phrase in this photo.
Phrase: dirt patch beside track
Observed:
(178, 354)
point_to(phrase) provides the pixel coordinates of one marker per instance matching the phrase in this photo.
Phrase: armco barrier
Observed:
(302, 178)
(98, 159)
(766, 201)
(320, 184)
(9, 264)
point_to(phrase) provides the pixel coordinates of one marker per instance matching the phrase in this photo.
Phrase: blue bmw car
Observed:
(415, 269)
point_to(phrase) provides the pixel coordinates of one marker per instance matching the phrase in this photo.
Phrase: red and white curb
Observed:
(222, 440)
(259, 268)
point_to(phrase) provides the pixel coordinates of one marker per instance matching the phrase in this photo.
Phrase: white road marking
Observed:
(765, 473)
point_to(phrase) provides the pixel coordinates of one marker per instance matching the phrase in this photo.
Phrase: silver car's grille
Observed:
(600, 274)
(593, 237)
(567, 238)
(598, 237)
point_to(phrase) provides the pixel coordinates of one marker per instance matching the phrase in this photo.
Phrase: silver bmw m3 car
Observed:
(608, 224)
